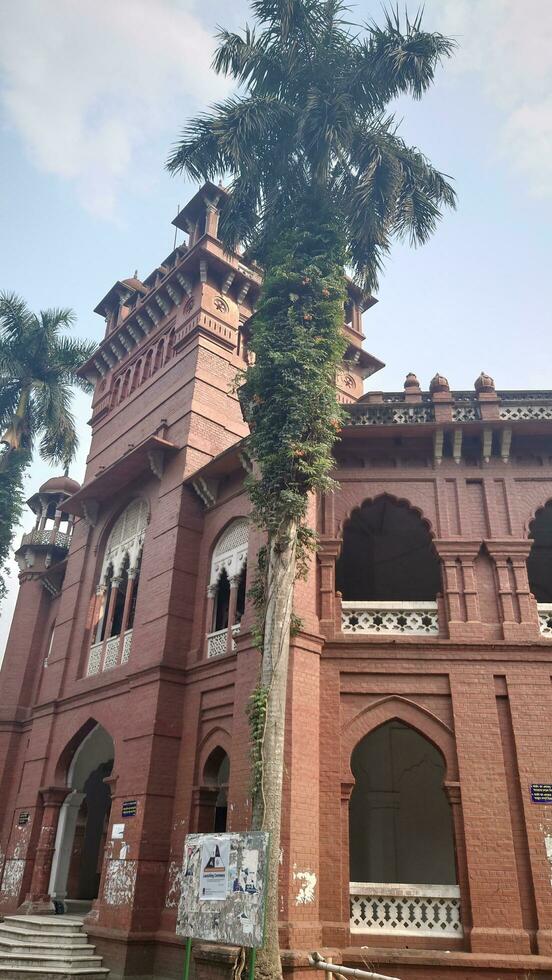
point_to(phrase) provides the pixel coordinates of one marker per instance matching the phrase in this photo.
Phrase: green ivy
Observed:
(256, 716)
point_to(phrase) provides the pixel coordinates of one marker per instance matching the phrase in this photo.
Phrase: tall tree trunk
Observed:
(11, 439)
(274, 672)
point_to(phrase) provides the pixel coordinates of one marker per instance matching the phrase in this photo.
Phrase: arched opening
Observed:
(227, 587)
(213, 794)
(170, 346)
(115, 395)
(136, 375)
(402, 862)
(400, 821)
(126, 384)
(83, 821)
(539, 562)
(159, 354)
(117, 590)
(387, 554)
(148, 365)
(388, 572)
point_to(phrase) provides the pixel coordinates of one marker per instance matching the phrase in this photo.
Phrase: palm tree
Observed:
(38, 368)
(319, 179)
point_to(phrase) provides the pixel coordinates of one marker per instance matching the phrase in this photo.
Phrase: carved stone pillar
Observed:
(52, 799)
(327, 553)
(210, 612)
(66, 834)
(234, 583)
(126, 611)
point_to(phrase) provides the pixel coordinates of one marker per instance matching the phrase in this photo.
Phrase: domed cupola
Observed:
(49, 540)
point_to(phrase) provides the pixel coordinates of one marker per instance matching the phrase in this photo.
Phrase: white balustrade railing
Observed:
(109, 654)
(414, 618)
(405, 910)
(217, 641)
(46, 538)
(545, 619)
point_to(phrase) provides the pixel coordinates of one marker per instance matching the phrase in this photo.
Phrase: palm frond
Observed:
(16, 320)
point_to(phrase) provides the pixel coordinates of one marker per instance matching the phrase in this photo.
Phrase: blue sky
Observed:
(93, 93)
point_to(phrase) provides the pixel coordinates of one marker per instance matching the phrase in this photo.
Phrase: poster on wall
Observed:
(213, 878)
(223, 888)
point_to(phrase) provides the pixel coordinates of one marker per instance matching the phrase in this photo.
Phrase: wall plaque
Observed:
(129, 808)
(541, 792)
(23, 818)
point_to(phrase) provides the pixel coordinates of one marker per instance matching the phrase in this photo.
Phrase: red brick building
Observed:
(420, 699)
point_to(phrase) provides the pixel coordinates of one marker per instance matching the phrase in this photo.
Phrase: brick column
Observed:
(52, 799)
(300, 919)
(531, 713)
(490, 857)
(460, 588)
(517, 606)
(452, 790)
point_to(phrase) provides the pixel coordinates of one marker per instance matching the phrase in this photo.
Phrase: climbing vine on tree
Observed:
(318, 178)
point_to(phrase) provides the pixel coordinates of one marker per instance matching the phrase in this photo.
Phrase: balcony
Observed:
(49, 538)
(109, 654)
(405, 910)
(217, 642)
(392, 618)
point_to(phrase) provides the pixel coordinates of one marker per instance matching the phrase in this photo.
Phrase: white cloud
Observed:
(90, 84)
(508, 45)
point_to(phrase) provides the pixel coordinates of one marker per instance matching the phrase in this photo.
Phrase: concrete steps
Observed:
(48, 947)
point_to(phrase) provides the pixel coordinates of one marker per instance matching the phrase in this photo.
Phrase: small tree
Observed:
(38, 368)
(319, 179)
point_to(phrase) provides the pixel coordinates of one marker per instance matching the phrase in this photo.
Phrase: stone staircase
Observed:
(48, 947)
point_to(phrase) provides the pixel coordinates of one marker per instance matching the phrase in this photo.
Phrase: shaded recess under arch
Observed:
(400, 822)
(83, 819)
(387, 554)
(539, 562)
(212, 797)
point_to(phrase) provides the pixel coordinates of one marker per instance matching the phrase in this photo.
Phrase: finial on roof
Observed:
(411, 381)
(136, 273)
(439, 383)
(484, 383)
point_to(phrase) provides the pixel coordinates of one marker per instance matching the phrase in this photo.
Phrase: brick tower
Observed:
(419, 702)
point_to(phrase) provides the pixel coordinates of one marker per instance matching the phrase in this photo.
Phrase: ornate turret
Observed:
(49, 540)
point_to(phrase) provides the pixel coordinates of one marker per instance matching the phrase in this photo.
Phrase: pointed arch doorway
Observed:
(83, 821)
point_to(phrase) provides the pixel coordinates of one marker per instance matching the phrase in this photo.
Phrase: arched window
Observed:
(136, 375)
(227, 586)
(126, 384)
(118, 589)
(115, 395)
(539, 563)
(170, 346)
(388, 572)
(148, 365)
(401, 840)
(159, 355)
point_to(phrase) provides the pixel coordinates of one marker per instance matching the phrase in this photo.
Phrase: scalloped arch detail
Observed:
(395, 707)
(398, 501)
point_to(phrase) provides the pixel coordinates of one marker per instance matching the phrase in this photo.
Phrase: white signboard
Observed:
(223, 888)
